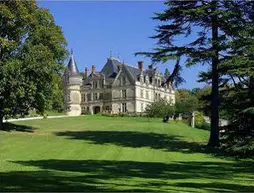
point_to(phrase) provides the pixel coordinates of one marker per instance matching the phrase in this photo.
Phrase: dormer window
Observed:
(95, 84)
(151, 80)
(124, 94)
(101, 83)
(123, 81)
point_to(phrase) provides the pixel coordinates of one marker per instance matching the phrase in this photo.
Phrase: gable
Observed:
(123, 78)
(110, 67)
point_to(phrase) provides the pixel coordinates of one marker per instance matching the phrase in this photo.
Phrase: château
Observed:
(117, 88)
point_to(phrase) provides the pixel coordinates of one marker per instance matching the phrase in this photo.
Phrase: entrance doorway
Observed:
(96, 110)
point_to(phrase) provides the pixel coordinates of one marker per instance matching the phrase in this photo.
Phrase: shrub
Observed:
(84, 112)
(204, 126)
(200, 121)
(159, 109)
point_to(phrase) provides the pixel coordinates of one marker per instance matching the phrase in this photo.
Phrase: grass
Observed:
(96, 153)
(55, 113)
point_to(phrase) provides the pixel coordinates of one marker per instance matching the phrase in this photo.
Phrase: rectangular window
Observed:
(101, 83)
(107, 108)
(124, 107)
(101, 96)
(84, 97)
(142, 107)
(95, 84)
(95, 96)
(147, 94)
(141, 93)
(107, 96)
(124, 94)
(89, 97)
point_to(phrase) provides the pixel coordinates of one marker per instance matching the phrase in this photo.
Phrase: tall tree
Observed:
(32, 51)
(204, 97)
(238, 74)
(208, 23)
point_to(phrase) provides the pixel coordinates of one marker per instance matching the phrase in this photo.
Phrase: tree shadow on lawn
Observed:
(135, 140)
(15, 127)
(103, 175)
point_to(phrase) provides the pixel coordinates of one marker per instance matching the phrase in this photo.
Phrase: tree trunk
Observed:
(1, 123)
(251, 93)
(214, 133)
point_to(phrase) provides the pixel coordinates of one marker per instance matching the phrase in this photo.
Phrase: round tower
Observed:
(72, 84)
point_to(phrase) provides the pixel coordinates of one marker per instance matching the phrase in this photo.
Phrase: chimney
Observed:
(86, 72)
(141, 65)
(93, 69)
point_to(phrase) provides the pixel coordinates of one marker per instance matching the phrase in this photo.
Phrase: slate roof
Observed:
(110, 70)
(110, 67)
(72, 66)
(134, 71)
(96, 74)
(149, 72)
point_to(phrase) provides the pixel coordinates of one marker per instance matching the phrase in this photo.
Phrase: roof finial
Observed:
(110, 53)
(71, 51)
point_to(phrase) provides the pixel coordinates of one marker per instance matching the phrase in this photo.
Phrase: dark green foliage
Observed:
(166, 73)
(124, 115)
(239, 135)
(204, 99)
(85, 112)
(204, 126)
(57, 101)
(175, 78)
(32, 51)
(237, 93)
(221, 37)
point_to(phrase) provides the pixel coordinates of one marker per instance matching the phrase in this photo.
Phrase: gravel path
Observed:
(34, 118)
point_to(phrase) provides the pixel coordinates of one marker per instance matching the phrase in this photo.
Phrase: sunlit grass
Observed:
(96, 153)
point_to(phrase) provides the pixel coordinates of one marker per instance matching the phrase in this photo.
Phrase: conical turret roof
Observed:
(72, 66)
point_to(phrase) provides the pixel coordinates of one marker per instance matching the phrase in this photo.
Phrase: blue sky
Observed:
(93, 29)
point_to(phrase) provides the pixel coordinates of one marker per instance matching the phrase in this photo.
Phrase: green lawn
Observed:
(96, 153)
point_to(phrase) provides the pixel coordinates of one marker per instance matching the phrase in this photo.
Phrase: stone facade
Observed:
(118, 87)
